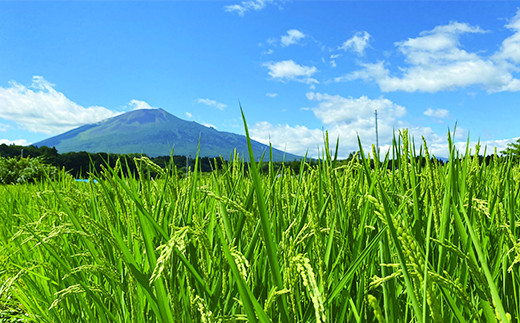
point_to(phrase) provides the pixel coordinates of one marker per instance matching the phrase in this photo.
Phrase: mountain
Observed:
(155, 132)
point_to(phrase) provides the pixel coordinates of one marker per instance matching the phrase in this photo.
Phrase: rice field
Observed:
(402, 240)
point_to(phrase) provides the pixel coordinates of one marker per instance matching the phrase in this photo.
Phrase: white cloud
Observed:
(289, 70)
(3, 127)
(510, 49)
(297, 139)
(499, 145)
(271, 41)
(245, 6)
(346, 118)
(272, 95)
(437, 62)
(437, 113)
(19, 142)
(212, 103)
(40, 108)
(140, 105)
(438, 145)
(209, 125)
(293, 36)
(335, 109)
(357, 43)
(443, 39)
(189, 115)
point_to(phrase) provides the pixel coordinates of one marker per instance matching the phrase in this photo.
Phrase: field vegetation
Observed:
(399, 240)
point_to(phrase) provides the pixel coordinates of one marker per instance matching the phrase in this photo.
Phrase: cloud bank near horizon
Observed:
(40, 108)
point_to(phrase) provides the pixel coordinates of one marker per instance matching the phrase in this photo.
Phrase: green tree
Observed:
(513, 148)
(22, 170)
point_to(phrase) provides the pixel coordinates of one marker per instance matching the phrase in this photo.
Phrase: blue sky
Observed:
(297, 67)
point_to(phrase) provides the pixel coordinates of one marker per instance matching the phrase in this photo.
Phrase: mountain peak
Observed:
(155, 132)
(142, 116)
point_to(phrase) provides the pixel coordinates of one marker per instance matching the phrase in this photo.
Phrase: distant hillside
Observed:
(155, 132)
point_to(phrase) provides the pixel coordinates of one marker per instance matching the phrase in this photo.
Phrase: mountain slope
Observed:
(155, 132)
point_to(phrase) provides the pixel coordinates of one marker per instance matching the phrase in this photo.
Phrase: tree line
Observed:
(80, 164)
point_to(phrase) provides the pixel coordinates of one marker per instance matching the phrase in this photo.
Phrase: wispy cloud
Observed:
(249, 5)
(189, 115)
(292, 37)
(40, 108)
(271, 95)
(289, 70)
(437, 62)
(212, 103)
(332, 60)
(437, 113)
(358, 43)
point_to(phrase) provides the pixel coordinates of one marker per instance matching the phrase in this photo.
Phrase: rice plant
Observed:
(397, 240)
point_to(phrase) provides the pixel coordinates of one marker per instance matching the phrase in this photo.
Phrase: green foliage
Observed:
(24, 170)
(339, 242)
